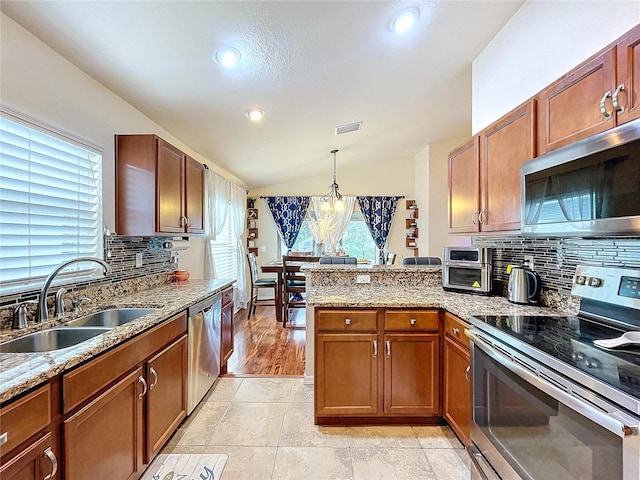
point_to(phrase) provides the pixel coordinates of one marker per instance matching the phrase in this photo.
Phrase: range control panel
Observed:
(619, 286)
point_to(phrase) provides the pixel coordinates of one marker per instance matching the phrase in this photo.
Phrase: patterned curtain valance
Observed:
(378, 214)
(288, 214)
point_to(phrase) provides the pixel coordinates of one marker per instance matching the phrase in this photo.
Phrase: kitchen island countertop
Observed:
(20, 372)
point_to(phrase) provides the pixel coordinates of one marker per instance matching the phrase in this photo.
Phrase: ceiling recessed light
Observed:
(227, 57)
(255, 115)
(404, 20)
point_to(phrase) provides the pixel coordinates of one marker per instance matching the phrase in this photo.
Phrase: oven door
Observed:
(473, 277)
(531, 423)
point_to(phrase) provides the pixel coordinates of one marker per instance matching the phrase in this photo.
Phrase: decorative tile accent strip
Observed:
(120, 253)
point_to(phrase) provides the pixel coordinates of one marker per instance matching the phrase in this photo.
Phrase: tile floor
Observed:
(266, 427)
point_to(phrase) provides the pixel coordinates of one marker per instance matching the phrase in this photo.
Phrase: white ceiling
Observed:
(311, 65)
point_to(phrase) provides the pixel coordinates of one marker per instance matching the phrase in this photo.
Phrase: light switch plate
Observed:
(138, 259)
(363, 279)
(528, 259)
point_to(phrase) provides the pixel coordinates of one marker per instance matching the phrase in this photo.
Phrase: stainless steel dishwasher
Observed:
(204, 348)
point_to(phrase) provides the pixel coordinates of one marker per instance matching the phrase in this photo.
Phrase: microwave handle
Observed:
(604, 419)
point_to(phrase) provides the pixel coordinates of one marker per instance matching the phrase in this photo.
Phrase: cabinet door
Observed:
(464, 182)
(457, 389)
(170, 184)
(412, 374)
(33, 463)
(628, 75)
(504, 146)
(346, 374)
(167, 397)
(194, 195)
(569, 109)
(104, 439)
(226, 333)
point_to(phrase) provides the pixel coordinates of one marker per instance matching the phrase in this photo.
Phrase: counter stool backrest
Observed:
(338, 260)
(421, 261)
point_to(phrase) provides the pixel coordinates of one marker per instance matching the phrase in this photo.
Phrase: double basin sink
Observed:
(73, 332)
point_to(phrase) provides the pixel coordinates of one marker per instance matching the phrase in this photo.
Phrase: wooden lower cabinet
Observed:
(346, 374)
(412, 374)
(457, 377)
(166, 399)
(105, 438)
(35, 462)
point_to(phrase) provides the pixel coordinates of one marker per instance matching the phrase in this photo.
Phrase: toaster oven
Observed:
(467, 269)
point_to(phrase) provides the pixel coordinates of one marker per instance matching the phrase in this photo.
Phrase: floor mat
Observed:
(186, 466)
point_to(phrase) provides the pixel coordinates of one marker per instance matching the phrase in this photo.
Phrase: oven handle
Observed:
(605, 419)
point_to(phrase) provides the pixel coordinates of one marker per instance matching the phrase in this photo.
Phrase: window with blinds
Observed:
(50, 202)
(225, 253)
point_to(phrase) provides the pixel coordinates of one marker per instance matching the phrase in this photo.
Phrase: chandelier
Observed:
(333, 199)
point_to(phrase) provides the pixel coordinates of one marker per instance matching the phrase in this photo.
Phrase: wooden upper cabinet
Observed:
(628, 76)
(464, 182)
(504, 146)
(170, 184)
(194, 195)
(571, 108)
(159, 189)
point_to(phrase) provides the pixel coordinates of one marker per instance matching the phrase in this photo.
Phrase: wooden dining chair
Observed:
(258, 283)
(294, 283)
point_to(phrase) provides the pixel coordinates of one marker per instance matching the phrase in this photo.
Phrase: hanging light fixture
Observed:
(333, 199)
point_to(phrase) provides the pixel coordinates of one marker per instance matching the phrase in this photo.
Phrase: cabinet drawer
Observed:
(87, 380)
(412, 320)
(455, 328)
(227, 296)
(347, 320)
(25, 417)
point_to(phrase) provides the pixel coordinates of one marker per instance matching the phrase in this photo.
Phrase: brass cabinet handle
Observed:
(152, 371)
(603, 107)
(347, 321)
(144, 386)
(4, 438)
(388, 349)
(466, 372)
(473, 217)
(482, 217)
(375, 349)
(456, 331)
(614, 98)
(412, 321)
(54, 463)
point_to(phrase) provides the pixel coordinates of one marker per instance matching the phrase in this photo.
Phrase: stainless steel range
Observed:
(548, 401)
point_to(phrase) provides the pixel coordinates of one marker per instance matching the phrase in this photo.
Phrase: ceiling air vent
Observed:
(349, 127)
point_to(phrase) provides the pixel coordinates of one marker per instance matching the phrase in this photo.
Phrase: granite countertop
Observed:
(328, 267)
(460, 304)
(22, 371)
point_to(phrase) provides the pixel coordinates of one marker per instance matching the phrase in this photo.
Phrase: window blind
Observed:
(225, 252)
(50, 202)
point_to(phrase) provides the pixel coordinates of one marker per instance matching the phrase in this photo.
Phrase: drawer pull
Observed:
(375, 349)
(54, 463)
(466, 373)
(616, 104)
(347, 321)
(456, 330)
(4, 438)
(388, 349)
(144, 386)
(603, 107)
(152, 371)
(412, 321)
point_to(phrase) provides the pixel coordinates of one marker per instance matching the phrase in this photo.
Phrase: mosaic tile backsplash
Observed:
(120, 252)
(555, 259)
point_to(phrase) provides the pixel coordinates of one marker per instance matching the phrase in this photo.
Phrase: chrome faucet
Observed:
(43, 314)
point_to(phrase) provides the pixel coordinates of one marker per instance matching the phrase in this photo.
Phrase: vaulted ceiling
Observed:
(310, 65)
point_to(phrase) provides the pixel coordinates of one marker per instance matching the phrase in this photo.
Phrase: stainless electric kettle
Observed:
(524, 285)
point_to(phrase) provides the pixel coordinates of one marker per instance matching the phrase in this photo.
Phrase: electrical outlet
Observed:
(138, 259)
(363, 279)
(528, 260)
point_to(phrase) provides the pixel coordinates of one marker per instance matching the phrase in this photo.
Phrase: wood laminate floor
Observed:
(263, 347)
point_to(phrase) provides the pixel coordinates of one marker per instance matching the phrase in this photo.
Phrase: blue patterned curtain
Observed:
(378, 214)
(288, 213)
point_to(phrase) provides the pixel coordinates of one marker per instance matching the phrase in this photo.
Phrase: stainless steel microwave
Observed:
(467, 269)
(589, 188)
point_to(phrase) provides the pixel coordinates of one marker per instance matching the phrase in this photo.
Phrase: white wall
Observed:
(542, 42)
(38, 82)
